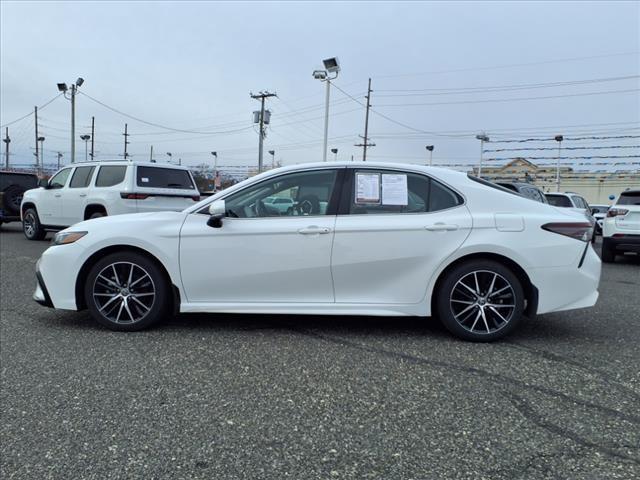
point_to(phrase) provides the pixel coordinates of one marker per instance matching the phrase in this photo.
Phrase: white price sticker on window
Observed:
(367, 188)
(144, 180)
(394, 189)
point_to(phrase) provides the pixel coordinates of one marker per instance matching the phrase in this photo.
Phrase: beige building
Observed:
(596, 187)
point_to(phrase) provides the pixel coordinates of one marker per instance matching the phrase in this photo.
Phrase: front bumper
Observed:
(623, 242)
(41, 295)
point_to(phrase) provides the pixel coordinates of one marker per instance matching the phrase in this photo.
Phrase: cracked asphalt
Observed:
(273, 397)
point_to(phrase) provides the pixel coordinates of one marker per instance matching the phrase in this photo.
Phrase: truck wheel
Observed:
(12, 198)
(31, 225)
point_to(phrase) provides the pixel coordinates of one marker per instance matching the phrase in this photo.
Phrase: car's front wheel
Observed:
(480, 300)
(31, 225)
(127, 291)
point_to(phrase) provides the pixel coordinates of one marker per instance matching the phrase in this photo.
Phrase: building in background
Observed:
(596, 186)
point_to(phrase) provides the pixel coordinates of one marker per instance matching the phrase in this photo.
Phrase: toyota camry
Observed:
(355, 239)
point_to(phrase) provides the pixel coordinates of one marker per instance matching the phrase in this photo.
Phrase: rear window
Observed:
(111, 175)
(559, 200)
(164, 178)
(599, 209)
(492, 185)
(629, 198)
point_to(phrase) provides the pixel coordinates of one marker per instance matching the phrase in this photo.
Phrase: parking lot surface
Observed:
(273, 397)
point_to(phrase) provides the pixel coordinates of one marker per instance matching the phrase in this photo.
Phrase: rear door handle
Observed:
(58, 195)
(313, 230)
(441, 227)
(82, 195)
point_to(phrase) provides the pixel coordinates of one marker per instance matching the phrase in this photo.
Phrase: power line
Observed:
(601, 147)
(563, 158)
(30, 113)
(507, 100)
(552, 139)
(488, 89)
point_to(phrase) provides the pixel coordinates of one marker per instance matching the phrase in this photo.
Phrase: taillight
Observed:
(196, 198)
(614, 212)
(579, 230)
(133, 196)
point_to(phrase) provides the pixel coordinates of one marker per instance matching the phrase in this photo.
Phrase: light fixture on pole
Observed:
(273, 158)
(74, 88)
(331, 65)
(170, 156)
(483, 138)
(86, 139)
(41, 159)
(430, 150)
(335, 154)
(559, 139)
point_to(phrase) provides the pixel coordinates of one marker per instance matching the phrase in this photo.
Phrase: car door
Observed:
(74, 197)
(393, 230)
(50, 201)
(261, 254)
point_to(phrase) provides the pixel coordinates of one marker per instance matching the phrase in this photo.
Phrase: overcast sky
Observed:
(192, 65)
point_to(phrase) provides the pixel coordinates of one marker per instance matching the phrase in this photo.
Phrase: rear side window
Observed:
(164, 178)
(423, 194)
(110, 175)
(629, 198)
(559, 201)
(81, 177)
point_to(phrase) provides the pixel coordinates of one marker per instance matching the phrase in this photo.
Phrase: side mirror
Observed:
(217, 210)
(43, 182)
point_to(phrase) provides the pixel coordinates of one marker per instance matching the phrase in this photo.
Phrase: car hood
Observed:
(132, 224)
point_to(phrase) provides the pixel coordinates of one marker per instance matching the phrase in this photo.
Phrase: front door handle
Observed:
(82, 195)
(58, 195)
(314, 230)
(441, 227)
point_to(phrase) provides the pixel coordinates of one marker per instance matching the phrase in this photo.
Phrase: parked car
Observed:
(599, 212)
(12, 188)
(525, 189)
(576, 203)
(621, 227)
(90, 190)
(281, 204)
(394, 240)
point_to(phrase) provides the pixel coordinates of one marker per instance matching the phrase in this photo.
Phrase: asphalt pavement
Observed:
(276, 397)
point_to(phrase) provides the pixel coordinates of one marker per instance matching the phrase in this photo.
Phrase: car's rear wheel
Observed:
(127, 291)
(480, 300)
(31, 225)
(608, 254)
(96, 215)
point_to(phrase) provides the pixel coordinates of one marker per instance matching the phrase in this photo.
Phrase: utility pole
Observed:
(92, 135)
(366, 143)
(559, 139)
(6, 141)
(73, 123)
(151, 154)
(35, 113)
(126, 142)
(261, 96)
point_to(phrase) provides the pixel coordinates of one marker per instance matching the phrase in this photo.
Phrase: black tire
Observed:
(12, 198)
(96, 215)
(608, 254)
(472, 316)
(31, 225)
(108, 300)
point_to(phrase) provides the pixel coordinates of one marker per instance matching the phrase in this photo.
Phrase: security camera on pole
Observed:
(74, 88)
(331, 65)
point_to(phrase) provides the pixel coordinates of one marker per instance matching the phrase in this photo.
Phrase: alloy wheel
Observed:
(482, 302)
(29, 224)
(124, 292)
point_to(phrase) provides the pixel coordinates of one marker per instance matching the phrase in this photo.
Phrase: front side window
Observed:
(110, 175)
(383, 191)
(295, 194)
(158, 177)
(629, 198)
(60, 178)
(81, 177)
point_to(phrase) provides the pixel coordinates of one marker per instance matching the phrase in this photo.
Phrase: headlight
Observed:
(64, 238)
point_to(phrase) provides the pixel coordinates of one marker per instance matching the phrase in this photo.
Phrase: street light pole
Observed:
(74, 88)
(483, 138)
(559, 139)
(86, 146)
(430, 150)
(335, 154)
(273, 158)
(41, 160)
(331, 65)
(170, 156)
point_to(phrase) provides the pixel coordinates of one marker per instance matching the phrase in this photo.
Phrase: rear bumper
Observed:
(568, 287)
(623, 242)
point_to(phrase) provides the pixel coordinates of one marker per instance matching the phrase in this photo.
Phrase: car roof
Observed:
(126, 162)
(631, 190)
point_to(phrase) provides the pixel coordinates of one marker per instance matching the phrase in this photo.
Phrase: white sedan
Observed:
(362, 239)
